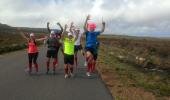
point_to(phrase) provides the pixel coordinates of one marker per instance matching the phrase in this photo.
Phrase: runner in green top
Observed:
(69, 40)
(69, 45)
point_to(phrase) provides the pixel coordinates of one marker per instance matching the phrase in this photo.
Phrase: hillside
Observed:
(9, 35)
(11, 40)
(135, 68)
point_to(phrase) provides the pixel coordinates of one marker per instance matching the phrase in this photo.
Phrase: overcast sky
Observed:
(129, 17)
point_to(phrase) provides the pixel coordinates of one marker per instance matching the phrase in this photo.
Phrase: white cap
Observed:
(70, 34)
(32, 34)
(52, 32)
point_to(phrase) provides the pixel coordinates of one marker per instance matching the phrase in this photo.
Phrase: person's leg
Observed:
(93, 66)
(95, 58)
(55, 60)
(94, 63)
(89, 65)
(71, 63)
(65, 66)
(48, 61)
(85, 59)
(75, 59)
(75, 55)
(81, 50)
(89, 59)
(35, 61)
(70, 70)
(66, 70)
(61, 48)
(30, 62)
(48, 65)
(54, 64)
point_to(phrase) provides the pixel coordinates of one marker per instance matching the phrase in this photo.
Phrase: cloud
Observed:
(131, 17)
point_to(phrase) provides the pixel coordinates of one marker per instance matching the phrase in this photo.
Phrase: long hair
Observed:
(33, 41)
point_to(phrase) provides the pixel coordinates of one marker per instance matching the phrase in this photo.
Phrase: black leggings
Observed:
(33, 57)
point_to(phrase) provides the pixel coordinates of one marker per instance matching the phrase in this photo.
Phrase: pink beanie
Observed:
(91, 25)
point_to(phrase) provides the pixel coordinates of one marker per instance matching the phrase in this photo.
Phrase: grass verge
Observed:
(129, 82)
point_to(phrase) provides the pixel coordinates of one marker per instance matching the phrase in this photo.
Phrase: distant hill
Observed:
(9, 35)
(4, 26)
(5, 29)
(134, 37)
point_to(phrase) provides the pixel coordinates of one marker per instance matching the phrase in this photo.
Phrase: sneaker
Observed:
(66, 76)
(29, 72)
(85, 63)
(47, 71)
(37, 73)
(54, 72)
(71, 74)
(88, 74)
(26, 70)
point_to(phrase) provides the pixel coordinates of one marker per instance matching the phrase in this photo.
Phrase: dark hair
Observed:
(34, 41)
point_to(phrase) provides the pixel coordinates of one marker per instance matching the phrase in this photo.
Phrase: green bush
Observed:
(13, 47)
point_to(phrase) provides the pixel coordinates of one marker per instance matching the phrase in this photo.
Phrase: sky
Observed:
(122, 17)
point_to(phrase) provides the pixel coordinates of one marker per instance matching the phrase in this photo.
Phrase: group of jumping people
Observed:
(69, 41)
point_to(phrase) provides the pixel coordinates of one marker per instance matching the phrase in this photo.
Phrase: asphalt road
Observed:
(15, 84)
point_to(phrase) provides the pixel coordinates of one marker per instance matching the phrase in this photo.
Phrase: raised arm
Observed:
(22, 34)
(71, 28)
(76, 34)
(48, 27)
(81, 38)
(60, 27)
(103, 26)
(85, 24)
(42, 39)
(64, 32)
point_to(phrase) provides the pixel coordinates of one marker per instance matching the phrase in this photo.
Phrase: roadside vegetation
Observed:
(136, 69)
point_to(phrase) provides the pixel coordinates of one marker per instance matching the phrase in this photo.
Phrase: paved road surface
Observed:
(15, 84)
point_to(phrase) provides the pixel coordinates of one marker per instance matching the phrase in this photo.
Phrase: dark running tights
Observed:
(33, 60)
